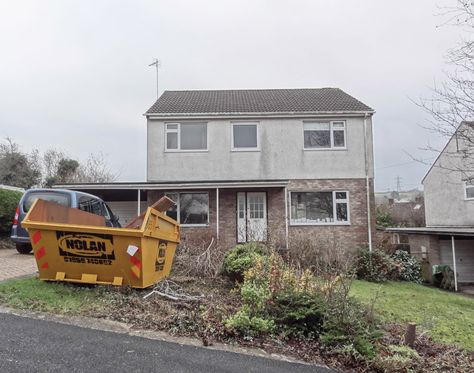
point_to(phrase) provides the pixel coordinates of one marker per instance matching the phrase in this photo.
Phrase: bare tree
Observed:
(451, 107)
(95, 170)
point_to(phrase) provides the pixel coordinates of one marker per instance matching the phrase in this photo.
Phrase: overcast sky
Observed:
(74, 75)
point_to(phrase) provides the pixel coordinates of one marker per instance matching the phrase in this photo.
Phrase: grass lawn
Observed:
(33, 294)
(447, 317)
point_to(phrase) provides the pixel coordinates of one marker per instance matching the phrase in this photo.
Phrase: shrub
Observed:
(409, 268)
(198, 255)
(9, 200)
(375, 266)
(322, 254)
(249, 325)
(241, 258)
(349, 325)
(397, 358)
(383, 217)
(298, 314)
(300, 304)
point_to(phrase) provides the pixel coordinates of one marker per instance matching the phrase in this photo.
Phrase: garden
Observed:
(348, 313)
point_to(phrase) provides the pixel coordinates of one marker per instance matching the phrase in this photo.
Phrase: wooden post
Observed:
(410, 334)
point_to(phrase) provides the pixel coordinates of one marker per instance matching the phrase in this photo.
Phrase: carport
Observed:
(453, 246)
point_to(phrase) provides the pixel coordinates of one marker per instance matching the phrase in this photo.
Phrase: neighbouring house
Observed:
(404, 209)
(258, 165)
(448, 237)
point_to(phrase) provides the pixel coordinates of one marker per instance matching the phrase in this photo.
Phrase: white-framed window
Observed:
(320, 135)
(185, 137)
(191, 209)
(469, 190)
(319, 208)
(245, 136)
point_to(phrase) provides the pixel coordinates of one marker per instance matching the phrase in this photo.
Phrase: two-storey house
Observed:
(448, 237)
(258, 165)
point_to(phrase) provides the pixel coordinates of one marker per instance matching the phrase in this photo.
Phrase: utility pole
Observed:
(157, 64)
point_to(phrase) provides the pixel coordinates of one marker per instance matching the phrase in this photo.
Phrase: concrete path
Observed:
(13, 264)
(32, 345)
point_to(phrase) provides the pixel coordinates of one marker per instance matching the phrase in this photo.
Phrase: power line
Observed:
(405, 163)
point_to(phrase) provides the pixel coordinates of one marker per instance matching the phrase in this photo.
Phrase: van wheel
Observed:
(23, 248)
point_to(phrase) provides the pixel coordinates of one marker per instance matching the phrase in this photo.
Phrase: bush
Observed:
(298, 314)
(199, 254)
(397, 358)
(375, 266)
(349, 325)
(277, 298)
(248, 325)
(241, 258)
(322, 254)
(409, 268)
(9, 200)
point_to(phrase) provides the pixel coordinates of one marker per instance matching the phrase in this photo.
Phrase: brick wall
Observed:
(349, 237)
(430, 242)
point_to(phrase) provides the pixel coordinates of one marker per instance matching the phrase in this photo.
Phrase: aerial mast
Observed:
(157, 64)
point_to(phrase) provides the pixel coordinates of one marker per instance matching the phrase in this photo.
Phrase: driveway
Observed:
(32, 345)
(13, 264)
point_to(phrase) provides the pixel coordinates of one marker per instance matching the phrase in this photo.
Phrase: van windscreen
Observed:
(62, 199)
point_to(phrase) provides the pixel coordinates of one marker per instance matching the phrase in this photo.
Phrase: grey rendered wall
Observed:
(445, 203)
(281, 155)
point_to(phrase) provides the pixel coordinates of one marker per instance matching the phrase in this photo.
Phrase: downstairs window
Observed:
(191, 208)
(314, 208)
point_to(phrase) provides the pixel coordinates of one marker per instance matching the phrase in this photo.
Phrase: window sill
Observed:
(245, 149)
(186, 151)
(324, 149)
(320, 224)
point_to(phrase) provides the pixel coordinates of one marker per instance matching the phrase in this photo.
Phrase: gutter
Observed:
(158, 186)
(249, 115)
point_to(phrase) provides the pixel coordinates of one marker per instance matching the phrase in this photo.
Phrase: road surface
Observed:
(32, 345)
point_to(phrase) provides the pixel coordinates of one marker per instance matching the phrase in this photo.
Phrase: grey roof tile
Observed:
(256, 101)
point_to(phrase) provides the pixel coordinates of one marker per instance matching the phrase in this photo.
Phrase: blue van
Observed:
(69, 198)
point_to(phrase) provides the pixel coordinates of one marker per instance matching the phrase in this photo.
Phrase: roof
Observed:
(448, 231)
(262, 101)
(470, 123)
(169, 185)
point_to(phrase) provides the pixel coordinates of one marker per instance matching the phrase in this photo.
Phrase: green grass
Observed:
(447, 317)
(34, 294)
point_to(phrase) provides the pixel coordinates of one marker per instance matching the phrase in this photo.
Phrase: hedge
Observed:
(8, 203)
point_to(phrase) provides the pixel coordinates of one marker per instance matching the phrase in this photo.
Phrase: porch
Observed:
(230, 211)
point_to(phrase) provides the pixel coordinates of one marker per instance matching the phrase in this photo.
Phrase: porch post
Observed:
(286, 217)
(139, 202)
(454, 264)
(217, 213)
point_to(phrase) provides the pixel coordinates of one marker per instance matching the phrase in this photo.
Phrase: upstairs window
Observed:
(469, 189)
(325, 135)
(319, 208)
(186, 136)
(245, 136)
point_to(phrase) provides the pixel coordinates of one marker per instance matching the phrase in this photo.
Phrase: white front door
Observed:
(251, 216)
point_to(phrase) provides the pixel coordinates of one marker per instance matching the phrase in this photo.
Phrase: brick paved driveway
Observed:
(13, 264)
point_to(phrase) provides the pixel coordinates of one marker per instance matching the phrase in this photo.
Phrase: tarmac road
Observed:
(32, 345)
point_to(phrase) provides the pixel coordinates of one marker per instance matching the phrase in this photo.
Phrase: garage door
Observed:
(126, 210)
(464, 258)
